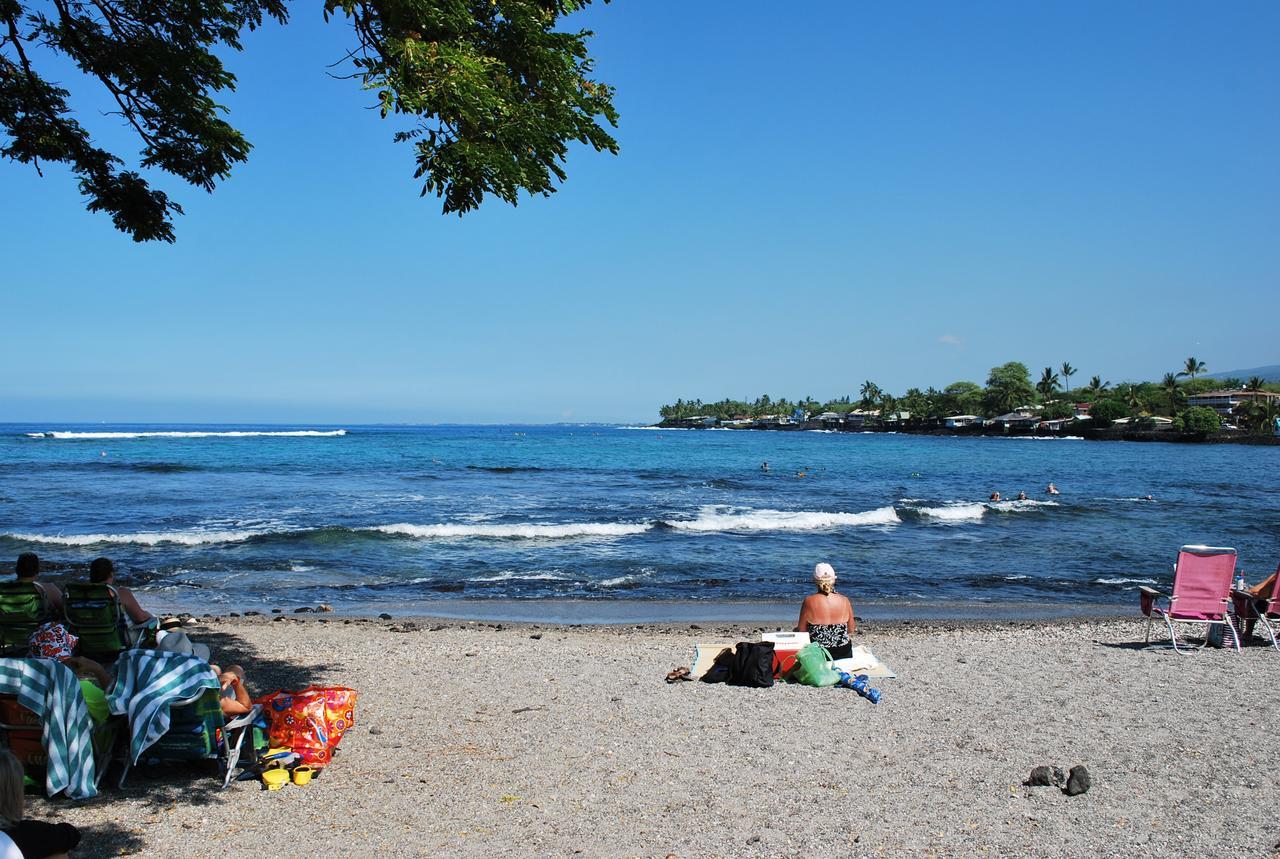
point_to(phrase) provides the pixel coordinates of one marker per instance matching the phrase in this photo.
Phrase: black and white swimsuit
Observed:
(834, 637)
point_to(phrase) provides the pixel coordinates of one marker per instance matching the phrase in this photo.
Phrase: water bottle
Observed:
(859, 684)
(1240, 585)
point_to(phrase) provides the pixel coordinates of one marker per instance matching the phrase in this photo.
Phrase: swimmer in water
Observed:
(1022, 496)
(1052, 490)
(1148, 498)
(995, 496)
(764, 466)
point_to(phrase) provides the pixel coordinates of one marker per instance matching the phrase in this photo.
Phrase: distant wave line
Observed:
(190, 434)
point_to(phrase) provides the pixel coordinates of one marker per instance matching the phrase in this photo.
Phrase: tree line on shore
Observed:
(1009, 387)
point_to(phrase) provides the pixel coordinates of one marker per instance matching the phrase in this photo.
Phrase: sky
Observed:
(806, 197)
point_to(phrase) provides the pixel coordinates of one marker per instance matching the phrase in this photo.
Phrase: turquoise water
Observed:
(377, 516)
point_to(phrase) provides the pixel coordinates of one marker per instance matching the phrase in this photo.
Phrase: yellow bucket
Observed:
(302, 775)
(275, 778)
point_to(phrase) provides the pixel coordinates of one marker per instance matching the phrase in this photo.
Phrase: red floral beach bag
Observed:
(310, 721)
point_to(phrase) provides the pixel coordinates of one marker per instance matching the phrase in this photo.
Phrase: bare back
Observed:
(825, 609)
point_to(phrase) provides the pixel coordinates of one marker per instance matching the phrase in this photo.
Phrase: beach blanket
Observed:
(863, 661)
(148, 682)
(51, 690)
(705, 653)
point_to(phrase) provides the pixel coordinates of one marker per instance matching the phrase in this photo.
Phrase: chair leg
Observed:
(1173, 636)
(1150, 621)
(1271, 630)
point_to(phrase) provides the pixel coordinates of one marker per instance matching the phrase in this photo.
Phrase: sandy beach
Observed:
(534, 740)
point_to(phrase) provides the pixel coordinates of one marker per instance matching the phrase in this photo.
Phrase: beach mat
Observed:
(704, 654)
(863, 661)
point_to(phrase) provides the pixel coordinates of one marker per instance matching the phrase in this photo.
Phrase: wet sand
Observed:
(506, 739)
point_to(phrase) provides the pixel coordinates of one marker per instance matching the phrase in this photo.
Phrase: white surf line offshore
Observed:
(57, 434)
(144, 538)
(709, 521)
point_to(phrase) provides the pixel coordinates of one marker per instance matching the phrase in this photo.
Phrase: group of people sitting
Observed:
(54, 639)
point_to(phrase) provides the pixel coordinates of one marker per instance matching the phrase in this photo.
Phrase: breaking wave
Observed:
(192, 434)
(145, 538)
(514, 531)
(711, 519)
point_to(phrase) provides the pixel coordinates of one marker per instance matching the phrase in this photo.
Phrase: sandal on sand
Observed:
(678, 675)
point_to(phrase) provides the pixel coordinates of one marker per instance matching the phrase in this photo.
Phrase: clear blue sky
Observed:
(807, 197)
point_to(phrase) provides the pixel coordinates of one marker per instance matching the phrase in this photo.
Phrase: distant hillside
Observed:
(1270, 373)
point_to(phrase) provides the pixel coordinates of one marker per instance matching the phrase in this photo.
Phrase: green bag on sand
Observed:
(811, 667)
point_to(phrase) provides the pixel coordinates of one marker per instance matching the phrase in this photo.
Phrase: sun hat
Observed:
(824, 572)
(52, 641)
(177, 642)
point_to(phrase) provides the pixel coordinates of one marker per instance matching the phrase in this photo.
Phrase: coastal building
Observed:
(830, 420)
(959, 421)
(1226, 402)
(1015, 420)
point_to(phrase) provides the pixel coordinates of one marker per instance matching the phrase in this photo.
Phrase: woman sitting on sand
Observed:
(827, 616)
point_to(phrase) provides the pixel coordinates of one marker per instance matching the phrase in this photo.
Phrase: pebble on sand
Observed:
(1078, 781)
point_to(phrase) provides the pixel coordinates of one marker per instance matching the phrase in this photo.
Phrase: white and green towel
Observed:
(148, 682)
(51, 690)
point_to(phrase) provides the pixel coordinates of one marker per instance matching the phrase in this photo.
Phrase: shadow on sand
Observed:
(153, 790)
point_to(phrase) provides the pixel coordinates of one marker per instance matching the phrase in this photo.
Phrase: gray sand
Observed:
(475, 740)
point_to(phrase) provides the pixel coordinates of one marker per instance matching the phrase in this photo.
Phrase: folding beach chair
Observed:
(94, 613)
(198, 731)
(1264, 609)
(64, 730)
(1201, 593)
(23, 607)
(23, 731)
(174, 705)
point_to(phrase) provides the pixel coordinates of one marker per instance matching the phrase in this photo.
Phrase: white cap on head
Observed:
(824, 572)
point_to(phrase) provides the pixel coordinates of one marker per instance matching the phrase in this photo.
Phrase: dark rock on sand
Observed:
(303, 609)
(374, 729)
(1041, 776)
(324, 606)
(1078, 781)
(384, 616)
(536, 636)
(277, 611)
(253, 614)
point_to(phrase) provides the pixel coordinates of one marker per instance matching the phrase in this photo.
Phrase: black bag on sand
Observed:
(720, 669)
(752, 664)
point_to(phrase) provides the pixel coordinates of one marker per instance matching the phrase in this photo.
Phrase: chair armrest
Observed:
(245, 718)
(1147, 598)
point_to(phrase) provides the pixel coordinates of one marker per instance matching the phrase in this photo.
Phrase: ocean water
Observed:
(216, 518)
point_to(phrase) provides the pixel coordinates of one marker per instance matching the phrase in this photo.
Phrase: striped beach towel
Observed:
(51, 690)
(148, 682)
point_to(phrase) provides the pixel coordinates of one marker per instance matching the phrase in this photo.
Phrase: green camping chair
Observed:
(198, 731)
(23, 607)
(94, 613)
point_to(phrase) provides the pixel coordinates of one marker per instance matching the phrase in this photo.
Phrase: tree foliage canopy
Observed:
(495, 91)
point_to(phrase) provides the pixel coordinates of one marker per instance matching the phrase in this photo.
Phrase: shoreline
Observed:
(604, 613)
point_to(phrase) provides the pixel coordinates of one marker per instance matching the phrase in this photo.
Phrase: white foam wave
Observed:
(1015, 578)
(509, 576)
(713, 519)
(1124, 581)
(613, 583)
(954, 512)
(528, 532)
(145, 538)
(191, 434)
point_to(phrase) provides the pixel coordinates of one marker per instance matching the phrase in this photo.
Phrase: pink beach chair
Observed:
(1201, 593)
(1264, 608)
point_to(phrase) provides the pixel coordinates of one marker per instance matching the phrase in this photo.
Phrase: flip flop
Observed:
(678, 675)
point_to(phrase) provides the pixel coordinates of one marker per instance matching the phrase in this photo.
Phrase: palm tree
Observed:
(1255, 383)
(1171, 388)
(1048, 383)
(870, 393)
(1097, 386)
(1192, 368)
(1132, 397)
(1067, 372)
